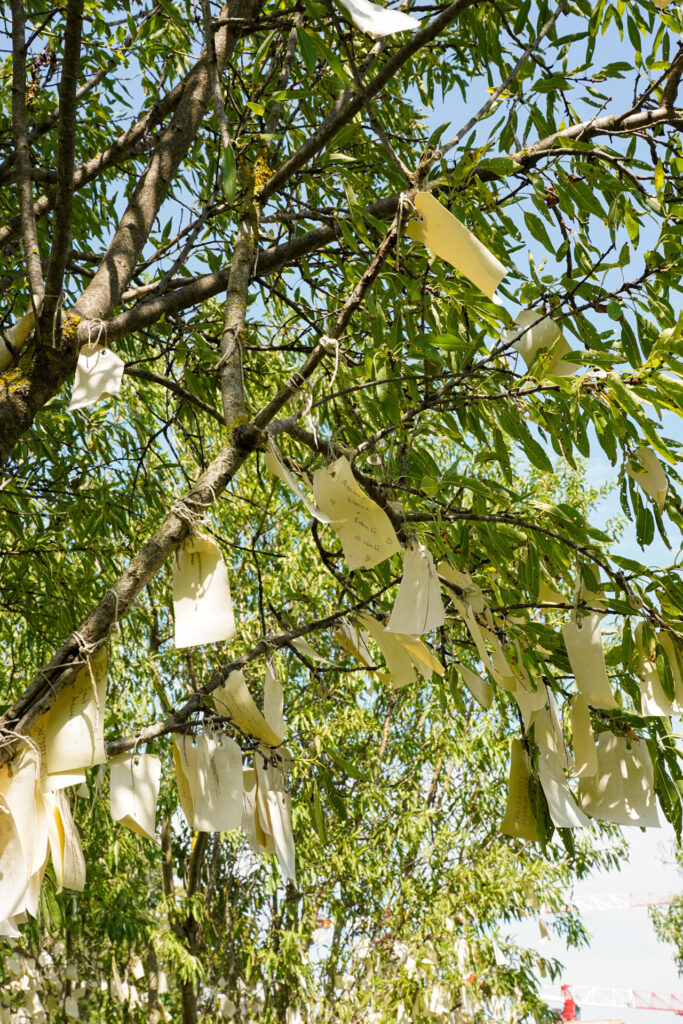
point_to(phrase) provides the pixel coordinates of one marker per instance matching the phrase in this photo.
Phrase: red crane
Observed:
(591, 996)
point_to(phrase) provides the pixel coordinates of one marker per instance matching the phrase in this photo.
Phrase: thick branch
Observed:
(66, 145)
(232, 375)
(29, 235)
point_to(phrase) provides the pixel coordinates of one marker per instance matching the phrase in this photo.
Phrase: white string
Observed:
(101, 327)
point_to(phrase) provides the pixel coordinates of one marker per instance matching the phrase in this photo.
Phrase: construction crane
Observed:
(577, 995)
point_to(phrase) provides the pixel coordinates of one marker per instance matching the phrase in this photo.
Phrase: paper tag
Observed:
(583, 640)
(183, 772)
(13, 868)
(622, 790)
(520, 820)
(649, 475)
(405, 656)
(275, 464)
(98, 375)
(303, 647)
(275, 816)
(564, 811)
(653, 700)
(534, 332)
(74, 726)
(450, 240)
(134, 791)
(234, 701)
(202, 604)
(481, 690)
(14, 338)
(585, 753)
(378, 21)
(418, 607)
(250, 820)
(364, 529)
(212, 769)
(65, 843)
(547, 729)
(273, 700)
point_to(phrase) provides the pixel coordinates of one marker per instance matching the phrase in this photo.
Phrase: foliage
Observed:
(285, 253)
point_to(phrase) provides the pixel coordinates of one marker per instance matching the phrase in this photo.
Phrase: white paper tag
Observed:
(418, 607)
(649, 474)
(202, 603)
(622, 790)
(378, 21)
(134, 791)
(98, 375)
(583, 640)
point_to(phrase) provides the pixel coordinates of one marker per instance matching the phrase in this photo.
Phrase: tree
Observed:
(236, 204)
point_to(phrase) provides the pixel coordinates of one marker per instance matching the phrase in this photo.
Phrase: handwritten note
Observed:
(520, 820)
(73, 728)
(583, 640)
(364, 529)
(622, 790)
(563, 809)
(533, 333)
(202, 604)
(234, 701)
(98, 375)
(212, 767)
(450, 240)
(134, 791)
(648, 473)
(378, 21)
(418, 607)
(275, 464)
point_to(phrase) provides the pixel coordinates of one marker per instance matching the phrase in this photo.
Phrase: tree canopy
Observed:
(308, 332)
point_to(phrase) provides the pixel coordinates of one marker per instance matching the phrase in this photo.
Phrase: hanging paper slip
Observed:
(405, 656)
(13, 870)
(14, 338)
(251, 824)
(273, 700)
(202, 604)
(564, 811)
(583, 640)
(212, 770)
(234, 701)
(65, 843)
(378, 21)
(418, 607)
(520, 820)
(450, 240)
(303, 647)
(534, 332)
(364, 529)
(648, 473)
(73, 729)
(355, 642)
(653, 699)
(275, 815)
(583, 740)
(275, 464)
(480, 689)
(98, 375)
(547, 729)
(134, 791)
(622, 790)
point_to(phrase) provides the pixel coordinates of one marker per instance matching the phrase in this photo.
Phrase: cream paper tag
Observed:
(275, 464)
(648, 473)
(549, 595)
(182, 776)
(405, 656)
(251, 825)
(65, 843)
(98, 375)
(273, 700)
(564, 811)
(378, 21)
(531, 703)
(202, 604)
(583, 640)
(234, 701)
(450, 240)
(134, 791)
(364, 529)
(303, 647)
(520, 820)
(418, 607)
(534, 332)
(355, 641)
(62, 780)
(13, 868)
(14, 338)
(275, 814)
(583, 740)
(481, 690)
(212, 766)
(653, 701)
(548, 731)
(622, 790)
(74, 725)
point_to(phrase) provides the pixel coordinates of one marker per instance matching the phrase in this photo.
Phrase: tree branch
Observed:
(66, 144)
(29, 235)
